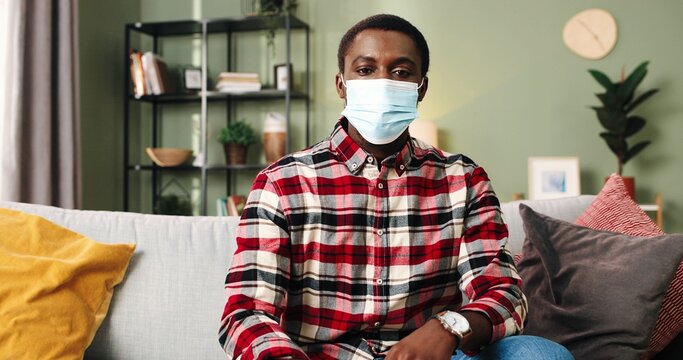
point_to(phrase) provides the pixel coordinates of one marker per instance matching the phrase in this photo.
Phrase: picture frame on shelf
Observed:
(192, 78)
(553, 177)
(282, 76)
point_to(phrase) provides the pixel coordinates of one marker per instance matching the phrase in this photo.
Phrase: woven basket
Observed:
(168, 156)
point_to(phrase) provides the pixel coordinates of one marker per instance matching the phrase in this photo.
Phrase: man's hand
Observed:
(429, 342)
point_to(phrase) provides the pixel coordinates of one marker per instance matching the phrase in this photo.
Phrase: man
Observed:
(359, 247)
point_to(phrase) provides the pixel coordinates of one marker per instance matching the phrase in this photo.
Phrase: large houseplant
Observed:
(236, 137)
(618, 101)
(272, 10)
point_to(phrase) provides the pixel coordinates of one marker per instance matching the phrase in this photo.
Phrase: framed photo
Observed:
(553, 177)
(283, 78)
(192, 78)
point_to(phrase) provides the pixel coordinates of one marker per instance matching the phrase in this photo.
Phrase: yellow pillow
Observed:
(55, 287)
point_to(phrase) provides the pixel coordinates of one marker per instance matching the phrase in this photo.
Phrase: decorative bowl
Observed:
(168, 156)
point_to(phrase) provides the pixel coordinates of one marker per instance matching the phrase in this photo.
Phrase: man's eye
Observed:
(402, 73)
(364, 71)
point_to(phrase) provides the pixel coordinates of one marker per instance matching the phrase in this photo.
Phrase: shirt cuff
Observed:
(502, 326)
(273, 347)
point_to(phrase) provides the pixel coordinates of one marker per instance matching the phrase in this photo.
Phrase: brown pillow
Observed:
(595, 292)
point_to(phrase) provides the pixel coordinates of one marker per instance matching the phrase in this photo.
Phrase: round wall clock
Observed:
(591, 33)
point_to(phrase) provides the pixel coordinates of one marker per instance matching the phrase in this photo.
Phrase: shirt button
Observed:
(378, 324)
(354, 165)
(401, 166)
(370, 159)
(379, 281)
(381, 186)
(380, 232)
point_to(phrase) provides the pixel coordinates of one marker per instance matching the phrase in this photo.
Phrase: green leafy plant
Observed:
(173, 205)
(618, 101)
(272, 10)
(238, 132)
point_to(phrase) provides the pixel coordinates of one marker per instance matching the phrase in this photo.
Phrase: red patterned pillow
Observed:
(614, 210)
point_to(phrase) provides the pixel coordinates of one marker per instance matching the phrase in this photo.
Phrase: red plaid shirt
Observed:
(338, 258)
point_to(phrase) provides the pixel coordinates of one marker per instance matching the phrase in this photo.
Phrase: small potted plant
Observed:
(618, 101)
(173, 203)
(236, 137)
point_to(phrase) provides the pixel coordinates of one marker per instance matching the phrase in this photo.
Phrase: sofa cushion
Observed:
(567, 209)
(55, 287)
(170, 302)
(614, 210)
(596, 292)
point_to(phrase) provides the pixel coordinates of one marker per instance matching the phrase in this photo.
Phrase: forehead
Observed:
(378, 44)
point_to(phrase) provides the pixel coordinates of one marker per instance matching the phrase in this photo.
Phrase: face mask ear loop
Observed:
(421, 82)
(343, 83)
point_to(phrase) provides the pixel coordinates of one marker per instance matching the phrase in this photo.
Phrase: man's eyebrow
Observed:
(364, 58)
(404, 59)
(399, 60)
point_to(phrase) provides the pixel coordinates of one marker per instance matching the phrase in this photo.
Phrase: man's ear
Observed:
(423, 90)
(339, 84)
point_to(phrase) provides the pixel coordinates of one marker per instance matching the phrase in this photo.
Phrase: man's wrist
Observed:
(453, 339)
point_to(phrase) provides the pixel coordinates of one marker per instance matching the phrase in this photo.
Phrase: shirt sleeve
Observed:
(257, 281)
(489, 277)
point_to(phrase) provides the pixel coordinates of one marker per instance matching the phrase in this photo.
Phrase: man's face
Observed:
(382, 54)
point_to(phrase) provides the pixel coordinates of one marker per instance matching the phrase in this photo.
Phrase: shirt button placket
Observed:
(381, 273)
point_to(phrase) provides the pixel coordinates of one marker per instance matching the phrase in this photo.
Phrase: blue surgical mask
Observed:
(380, 109)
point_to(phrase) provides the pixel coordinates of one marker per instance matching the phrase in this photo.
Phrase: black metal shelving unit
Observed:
(204, 28)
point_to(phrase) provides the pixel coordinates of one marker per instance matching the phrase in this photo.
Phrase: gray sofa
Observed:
(170, 302)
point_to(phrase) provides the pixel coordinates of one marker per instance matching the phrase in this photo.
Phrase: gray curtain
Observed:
(41, 147)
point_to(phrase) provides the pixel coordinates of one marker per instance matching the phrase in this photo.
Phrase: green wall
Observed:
(502, 85)
(102, 79)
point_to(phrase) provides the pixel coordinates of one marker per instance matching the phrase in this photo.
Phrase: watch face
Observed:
(458, 322)
(455, 323)
(462, 327)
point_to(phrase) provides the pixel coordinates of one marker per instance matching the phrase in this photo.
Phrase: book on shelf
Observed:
(136, 73)
(233, 82)
(149, 74)
(230, 205)
(221, 206)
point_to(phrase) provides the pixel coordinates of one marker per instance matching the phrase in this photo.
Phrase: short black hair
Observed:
(384, 22)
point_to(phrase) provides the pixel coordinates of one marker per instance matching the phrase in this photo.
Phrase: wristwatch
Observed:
(455, 323)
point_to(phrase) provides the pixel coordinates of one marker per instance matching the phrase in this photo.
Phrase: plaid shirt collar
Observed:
(355, 157)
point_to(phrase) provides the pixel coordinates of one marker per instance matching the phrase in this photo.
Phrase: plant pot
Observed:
(235, 154)
(630, 183)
